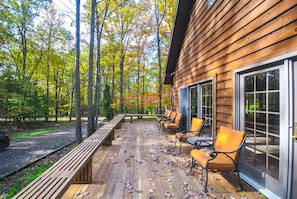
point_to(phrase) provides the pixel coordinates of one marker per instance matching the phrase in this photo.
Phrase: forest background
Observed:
(123, 48)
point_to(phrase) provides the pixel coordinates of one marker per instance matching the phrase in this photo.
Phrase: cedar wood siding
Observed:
(230, 35)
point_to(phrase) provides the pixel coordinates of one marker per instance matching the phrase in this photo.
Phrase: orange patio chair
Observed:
(195, 130)
(225, 154)
(174, 125)
(164, 117)
(171, 119)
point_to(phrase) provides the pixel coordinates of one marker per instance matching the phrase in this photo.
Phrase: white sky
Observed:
(68, 7)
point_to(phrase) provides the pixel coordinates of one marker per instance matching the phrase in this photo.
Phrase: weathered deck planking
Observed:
(142, 163)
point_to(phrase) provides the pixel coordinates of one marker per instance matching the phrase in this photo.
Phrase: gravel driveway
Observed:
(22, 153)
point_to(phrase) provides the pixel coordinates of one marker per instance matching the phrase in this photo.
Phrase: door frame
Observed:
(287, 89)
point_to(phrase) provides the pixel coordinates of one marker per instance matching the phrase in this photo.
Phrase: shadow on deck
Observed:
(143, 163)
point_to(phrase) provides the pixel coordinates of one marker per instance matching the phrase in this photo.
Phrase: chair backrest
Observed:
(168, 113)
(229, 140)
(197, 125)
(172, 116)
(178, 118)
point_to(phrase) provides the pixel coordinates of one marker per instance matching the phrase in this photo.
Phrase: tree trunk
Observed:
(91, 128)
(98, 67)
(138, 84)
(113, 84)
(143, 90)
(122, 82)
(159, 20)
(98, 82)
(56, 96)
(71, 98)
(77, 76)
(160, 72)
(48, 74)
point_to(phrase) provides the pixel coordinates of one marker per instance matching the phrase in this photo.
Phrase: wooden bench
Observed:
(74, 167)
(138, 115)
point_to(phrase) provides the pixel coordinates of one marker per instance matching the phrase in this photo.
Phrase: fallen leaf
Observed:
(167, 194)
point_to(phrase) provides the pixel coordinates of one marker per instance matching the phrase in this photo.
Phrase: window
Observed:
(210, 3)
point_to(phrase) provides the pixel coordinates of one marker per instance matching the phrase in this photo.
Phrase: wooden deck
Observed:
(143, 163)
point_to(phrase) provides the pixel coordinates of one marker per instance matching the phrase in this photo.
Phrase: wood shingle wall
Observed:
(230, 35)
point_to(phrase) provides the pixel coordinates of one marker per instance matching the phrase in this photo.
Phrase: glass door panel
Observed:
(207, 107)
(193, 102)
(207, 102)
(262, 118)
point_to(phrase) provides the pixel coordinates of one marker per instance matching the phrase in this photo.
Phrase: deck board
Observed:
(142, 163)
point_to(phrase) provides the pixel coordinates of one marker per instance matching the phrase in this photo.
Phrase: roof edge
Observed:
(182, 16)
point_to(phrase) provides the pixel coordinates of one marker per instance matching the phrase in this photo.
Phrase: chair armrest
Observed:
(214, 153)
(186, 131)
(204, 143)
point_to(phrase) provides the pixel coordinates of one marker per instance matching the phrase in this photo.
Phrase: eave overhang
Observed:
(181, 21)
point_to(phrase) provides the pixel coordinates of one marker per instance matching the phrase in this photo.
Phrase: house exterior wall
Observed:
(230, 35)
(233, 36)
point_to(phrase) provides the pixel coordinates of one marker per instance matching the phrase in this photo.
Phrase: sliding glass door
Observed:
(264, 117)
(201, 104)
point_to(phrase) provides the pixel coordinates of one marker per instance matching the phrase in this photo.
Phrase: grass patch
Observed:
(32, 133)
(27, 178)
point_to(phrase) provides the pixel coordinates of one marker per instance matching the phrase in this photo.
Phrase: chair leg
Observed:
(179, 145)
(160, 125)
(239, 179)
(206, 180)
(192, 165)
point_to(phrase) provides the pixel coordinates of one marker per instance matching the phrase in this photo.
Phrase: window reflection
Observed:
(261, 101)
(273, 101)
(206, 90)
(261, 82)
(194, 103)
(207, 102)
(249, 84)
(273, 80)
(262, 121)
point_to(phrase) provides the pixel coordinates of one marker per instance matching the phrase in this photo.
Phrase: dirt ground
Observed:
(17, 178)
(13, 156)
(20, 127)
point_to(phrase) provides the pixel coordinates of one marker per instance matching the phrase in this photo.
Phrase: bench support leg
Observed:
(85, 176)
(108, 141)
